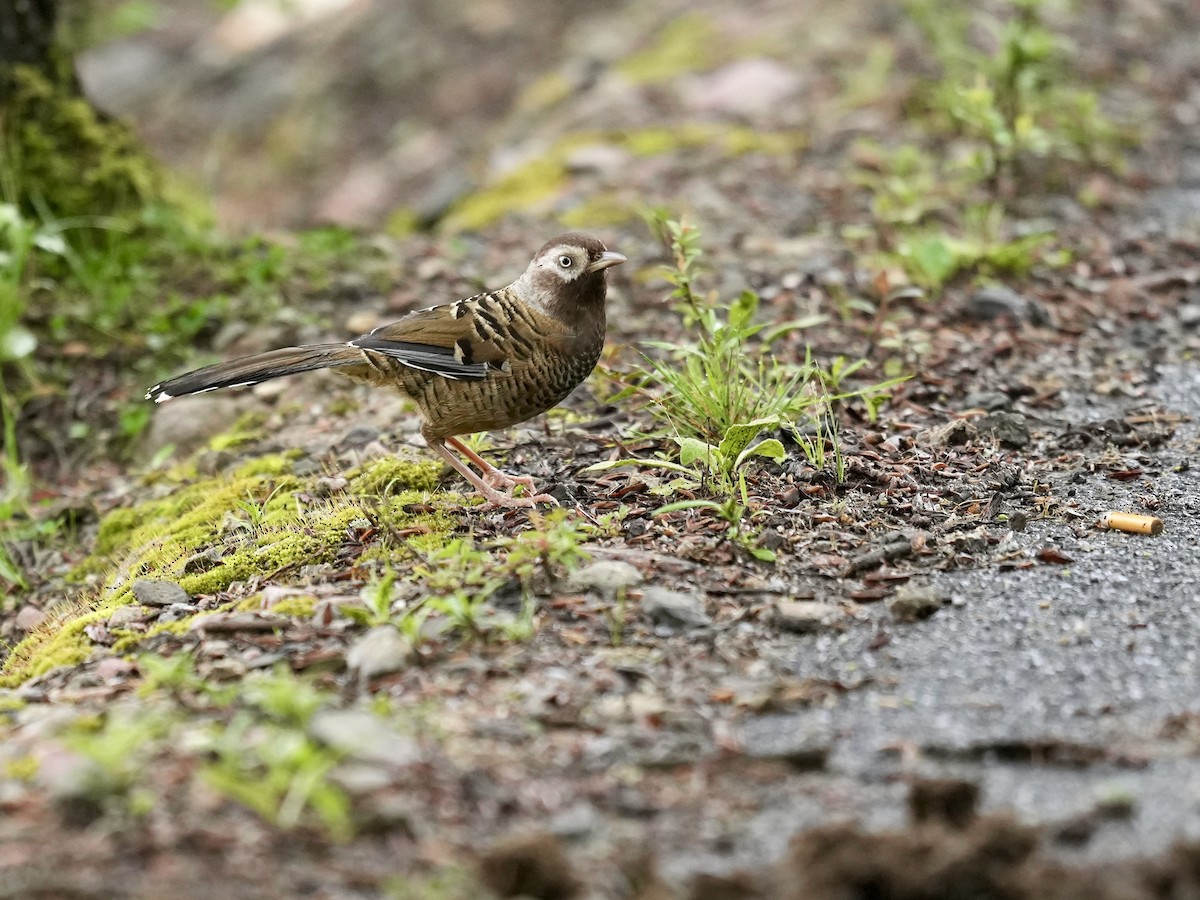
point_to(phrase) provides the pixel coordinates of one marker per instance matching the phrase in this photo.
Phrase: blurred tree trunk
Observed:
(28, 38)
(60, 155)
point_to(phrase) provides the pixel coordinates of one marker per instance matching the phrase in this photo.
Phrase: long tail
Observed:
(253, 369)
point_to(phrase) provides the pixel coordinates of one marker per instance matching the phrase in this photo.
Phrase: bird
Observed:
(482, 363)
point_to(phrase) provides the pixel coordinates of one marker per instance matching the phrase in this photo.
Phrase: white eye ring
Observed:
(566, 262)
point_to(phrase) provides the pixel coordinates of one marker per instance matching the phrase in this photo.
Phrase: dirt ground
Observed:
(951, 683)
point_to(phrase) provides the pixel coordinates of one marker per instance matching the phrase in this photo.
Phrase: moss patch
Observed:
(539, 182)
(690, 43)
(63, 157)
(254, 523)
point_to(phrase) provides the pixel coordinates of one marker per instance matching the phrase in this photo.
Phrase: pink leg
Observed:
(491, 474)
(494, 497)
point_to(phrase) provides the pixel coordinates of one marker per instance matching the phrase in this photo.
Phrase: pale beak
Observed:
(607, 258)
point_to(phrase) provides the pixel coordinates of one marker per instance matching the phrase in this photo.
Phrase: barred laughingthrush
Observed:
(483, 363)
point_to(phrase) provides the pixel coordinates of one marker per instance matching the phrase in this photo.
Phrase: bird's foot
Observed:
(507, 500)
(497, 479)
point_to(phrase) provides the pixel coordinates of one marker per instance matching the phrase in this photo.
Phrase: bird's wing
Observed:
(465, 341)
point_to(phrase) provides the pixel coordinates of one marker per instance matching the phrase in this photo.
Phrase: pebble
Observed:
(358, 435)
(602, 159)
(159, 593)
(674, 610)
(805, 616)
(114, 667)
(380, 651)
(749, 87)
(915, 602)
(361, 322)
(604, 577)
(125, 616)
(363, 737)
(796, 739)
(30, 617)
(1009, 428)
(997, 300)
(988, 400)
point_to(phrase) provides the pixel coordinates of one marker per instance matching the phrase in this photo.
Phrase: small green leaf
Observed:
(742, 310)
(692, 449)
(935, 259)
(688, 504)
(738, 437)
(771, 448)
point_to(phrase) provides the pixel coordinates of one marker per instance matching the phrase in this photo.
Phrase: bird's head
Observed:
(568, 273)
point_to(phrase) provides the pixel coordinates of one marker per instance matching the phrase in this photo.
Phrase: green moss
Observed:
(252, 524)
(600, 211)
(389, 473)
(544, 92)
(690, 43)
(526, 187)
(272, 464)
(292, 607)
(539, 182)
(246, 430)
(64, 159)
(21, 768)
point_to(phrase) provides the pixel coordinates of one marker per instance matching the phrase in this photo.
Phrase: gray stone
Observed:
(1009, 428)
(380, 651)
(29, 617)
(996, 300)
(159, 593)
(748, 87)
(125, 616)
(363, 737)
(189, 425)
(674, 610)
(796, 739)
(988, 400)
(806, 615)
(605, 577)
(915, 602)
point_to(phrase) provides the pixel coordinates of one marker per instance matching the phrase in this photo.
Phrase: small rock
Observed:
(749, 87)
(114, 667)
(29, 617)
(380, 651)
(603, 159)
(806, 615)
(177, 612)
(996, 300)
(952, 434)
(361, 779)
(988, 400)
(793, 738)
(604, 577)
(361, 322)
(329, 485)
(125, 616)
(915, 602)
(159, 593)
(363, 737)
(1009, 428)
(674, 610)
(358, 435)
(1189, 315)
(190, 424)
(270, 390)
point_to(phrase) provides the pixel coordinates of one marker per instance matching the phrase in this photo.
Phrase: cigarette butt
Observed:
(1132, 522)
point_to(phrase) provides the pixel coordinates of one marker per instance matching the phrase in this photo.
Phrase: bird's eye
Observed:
(566, 262)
